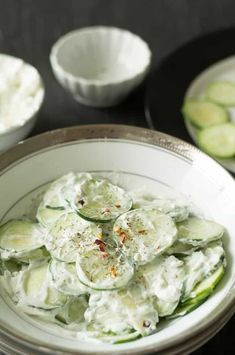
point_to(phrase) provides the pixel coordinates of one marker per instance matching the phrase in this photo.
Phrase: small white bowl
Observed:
(100, 65)
(16, 129)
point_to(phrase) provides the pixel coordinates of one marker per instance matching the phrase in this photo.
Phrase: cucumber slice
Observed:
(101, 201)
(18, 237)
(198, 232)
(164, 281)
(144, 234)
(58, 198)
(46, 315)
(73, 311)
(10, 265)
(65, 278)
(221, 92)
(181, 249)
(113, 338)
(207, 286)
(70, 236)
(200, 293)
(200, 265)
(177, 213)
(34, 288)
(48, 215)
(218, 141)
(122, 338)
(170, 207)
(204, 114)
(185, 308)
(34, 255)
(104, 269)
(53, 204)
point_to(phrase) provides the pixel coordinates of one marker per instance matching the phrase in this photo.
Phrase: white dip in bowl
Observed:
(21, 95)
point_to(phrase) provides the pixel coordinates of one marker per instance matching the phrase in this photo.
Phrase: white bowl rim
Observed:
(203, 331)
(16, 127)
(96, 82)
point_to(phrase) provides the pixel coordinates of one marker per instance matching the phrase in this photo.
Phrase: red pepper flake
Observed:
(123, 237)
(122, 234)
(101, 245)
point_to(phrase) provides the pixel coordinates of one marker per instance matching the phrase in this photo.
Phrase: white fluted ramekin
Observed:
(100, 65)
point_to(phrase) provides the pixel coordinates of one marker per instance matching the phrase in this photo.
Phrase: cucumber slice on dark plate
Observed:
(218, 141)
(204, 114)
(221, 92)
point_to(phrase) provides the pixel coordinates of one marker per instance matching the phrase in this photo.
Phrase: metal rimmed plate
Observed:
(165, 166)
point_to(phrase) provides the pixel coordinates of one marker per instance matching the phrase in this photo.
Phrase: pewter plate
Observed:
(136, 157)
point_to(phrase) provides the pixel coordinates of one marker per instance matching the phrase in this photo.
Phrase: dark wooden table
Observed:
(28, 28)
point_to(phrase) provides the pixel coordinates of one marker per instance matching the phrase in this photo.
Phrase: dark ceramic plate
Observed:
(168, 83)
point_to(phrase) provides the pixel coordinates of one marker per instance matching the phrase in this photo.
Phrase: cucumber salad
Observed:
(108, 264)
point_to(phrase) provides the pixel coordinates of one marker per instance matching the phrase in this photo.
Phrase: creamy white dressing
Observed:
(21, 92)
(200, 264)
(106, 314)
(33, 286)
(164, 280)
(65, 278)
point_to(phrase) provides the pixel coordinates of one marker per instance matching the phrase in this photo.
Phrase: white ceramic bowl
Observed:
(100, 66)
(18, 131)
(165, 166)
